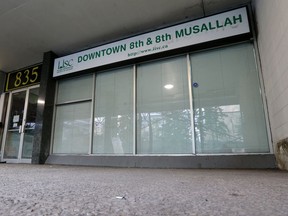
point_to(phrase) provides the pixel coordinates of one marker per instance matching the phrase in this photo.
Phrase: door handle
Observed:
(23, 126)
(21, 129)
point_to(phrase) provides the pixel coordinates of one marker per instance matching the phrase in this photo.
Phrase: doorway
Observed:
(19, 128)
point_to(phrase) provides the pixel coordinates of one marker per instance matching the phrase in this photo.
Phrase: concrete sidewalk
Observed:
(67, 190)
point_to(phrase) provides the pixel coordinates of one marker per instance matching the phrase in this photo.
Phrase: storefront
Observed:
(185, 96)
(19, 106)
(186, 91)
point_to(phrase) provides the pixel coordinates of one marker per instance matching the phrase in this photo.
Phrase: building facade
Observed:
(196, 94)
(272, 40)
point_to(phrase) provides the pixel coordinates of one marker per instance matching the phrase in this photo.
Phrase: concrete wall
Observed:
(272, 26)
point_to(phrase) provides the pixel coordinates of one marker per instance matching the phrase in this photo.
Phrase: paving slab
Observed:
(86, 191)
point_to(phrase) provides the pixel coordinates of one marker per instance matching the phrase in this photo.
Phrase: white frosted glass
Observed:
(72, 128)
(163, 112)
(75, 89)
(228, 109)
(113, 121)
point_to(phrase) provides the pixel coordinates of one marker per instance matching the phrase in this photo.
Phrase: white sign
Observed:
(211, 28)
(16, 118)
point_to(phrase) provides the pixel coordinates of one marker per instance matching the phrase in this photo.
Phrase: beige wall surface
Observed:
(272, 27)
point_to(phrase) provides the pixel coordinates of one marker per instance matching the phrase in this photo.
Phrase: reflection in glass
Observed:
(163, 114)
(113, 122)
(12, 145)
(228, 109)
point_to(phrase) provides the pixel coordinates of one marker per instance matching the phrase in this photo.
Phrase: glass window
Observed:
(228, 109)
(72, 129)
(163, 111)
(113, 121)
(75, 89)
(227, 104)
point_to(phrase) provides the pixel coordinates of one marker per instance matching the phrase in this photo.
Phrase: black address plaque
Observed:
(23, 78)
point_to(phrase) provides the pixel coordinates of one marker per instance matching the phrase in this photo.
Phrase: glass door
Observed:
(20, 126)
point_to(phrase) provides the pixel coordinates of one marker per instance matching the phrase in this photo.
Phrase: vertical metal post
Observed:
(92, 114)
(189, 71)
(134, 112)
(22, 130)
(54, 118)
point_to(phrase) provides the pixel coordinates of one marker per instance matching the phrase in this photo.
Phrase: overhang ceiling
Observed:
(31, 27)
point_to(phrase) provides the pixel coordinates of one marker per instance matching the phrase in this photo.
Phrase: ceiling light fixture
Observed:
(40, 101)
(169, 86)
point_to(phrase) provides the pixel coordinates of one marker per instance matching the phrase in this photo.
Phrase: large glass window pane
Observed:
(72, 128)
(113, 121)
(228, 109)
(163, 111)
(75, 89)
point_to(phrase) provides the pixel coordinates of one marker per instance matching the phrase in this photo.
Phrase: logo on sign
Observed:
(65, 65)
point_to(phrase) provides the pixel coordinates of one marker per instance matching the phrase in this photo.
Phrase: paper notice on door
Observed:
(16, 118)
(15, 125)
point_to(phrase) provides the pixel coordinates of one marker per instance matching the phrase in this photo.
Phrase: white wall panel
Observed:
(272, 24)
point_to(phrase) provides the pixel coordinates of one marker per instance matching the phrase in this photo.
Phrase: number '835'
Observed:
(28, 76)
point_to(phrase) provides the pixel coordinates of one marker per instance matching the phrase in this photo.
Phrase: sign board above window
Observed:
(211, 28)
